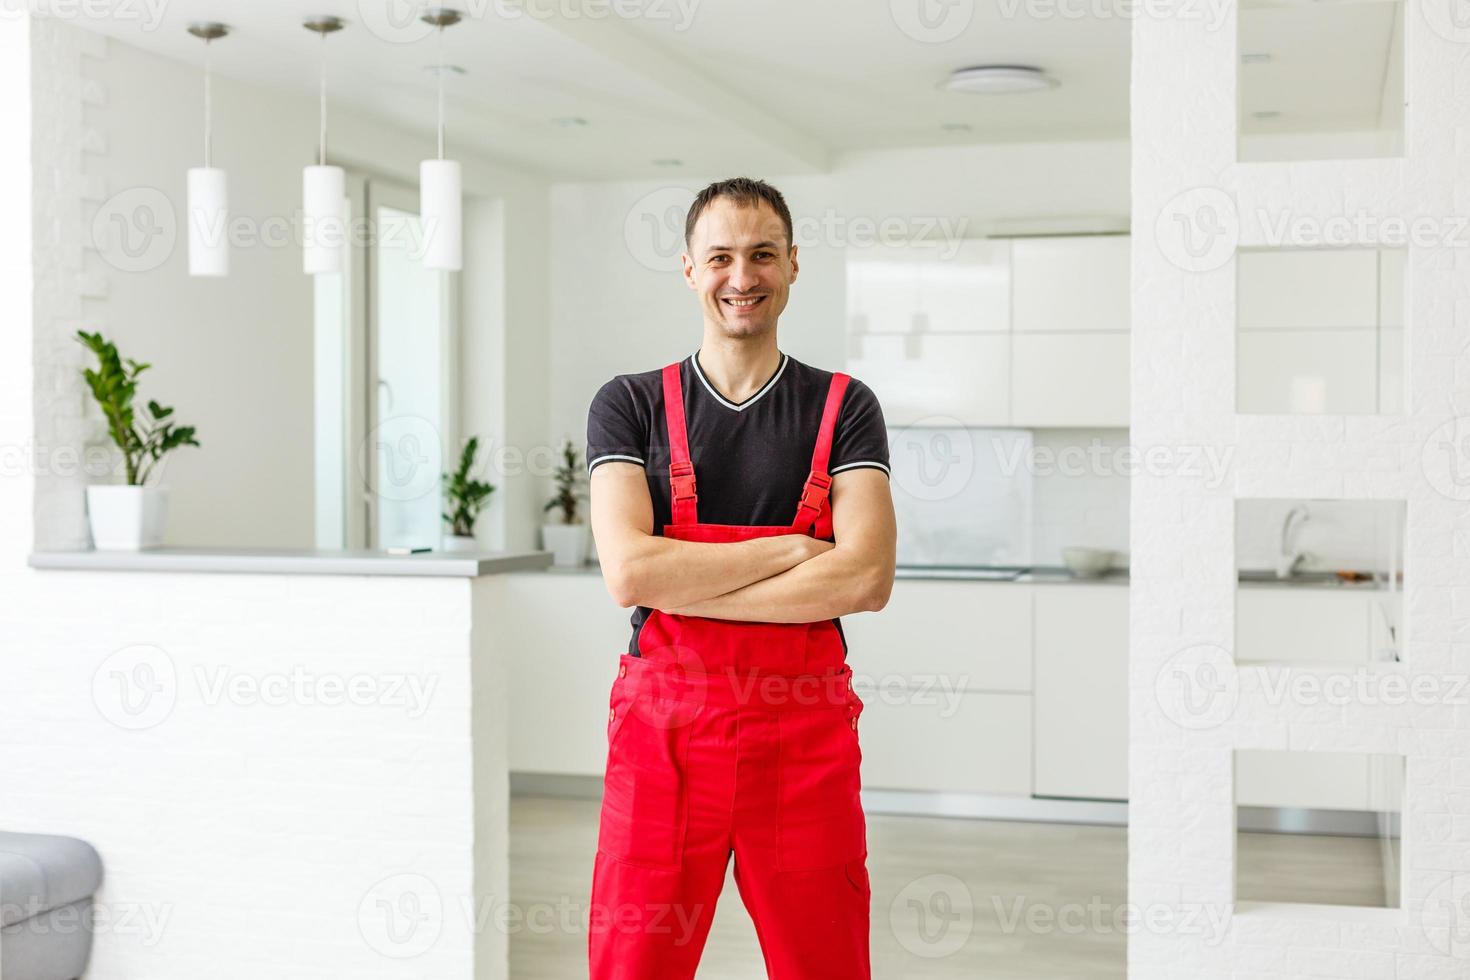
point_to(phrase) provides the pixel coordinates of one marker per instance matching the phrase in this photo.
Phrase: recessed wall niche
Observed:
(1320, 331)
(1320, 828)
(1319, 581)
(1320, 81)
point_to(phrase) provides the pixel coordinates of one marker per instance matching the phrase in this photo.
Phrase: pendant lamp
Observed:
(440, 194)
(323, 188)
(209, 207)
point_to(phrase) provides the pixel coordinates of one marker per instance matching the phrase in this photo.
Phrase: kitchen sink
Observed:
(1269, 576)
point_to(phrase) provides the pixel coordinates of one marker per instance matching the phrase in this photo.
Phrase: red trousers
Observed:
(703, 766)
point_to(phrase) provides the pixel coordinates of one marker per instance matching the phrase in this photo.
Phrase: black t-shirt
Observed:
(750, 459)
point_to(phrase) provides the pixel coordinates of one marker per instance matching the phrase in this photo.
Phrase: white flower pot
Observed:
(126, 518)
(459, 543)
(567, 544)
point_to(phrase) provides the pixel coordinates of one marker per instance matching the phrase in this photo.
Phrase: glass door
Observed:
(410, 389)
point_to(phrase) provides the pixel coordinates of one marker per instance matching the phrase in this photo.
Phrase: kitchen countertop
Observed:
(294, 561)
(1059, 575)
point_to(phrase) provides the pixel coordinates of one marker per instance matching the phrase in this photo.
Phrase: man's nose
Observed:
(743, 275)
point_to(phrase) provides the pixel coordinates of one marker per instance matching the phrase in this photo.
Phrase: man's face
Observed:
(742, 266)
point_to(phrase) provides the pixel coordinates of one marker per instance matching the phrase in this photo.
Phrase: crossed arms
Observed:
(789, 578)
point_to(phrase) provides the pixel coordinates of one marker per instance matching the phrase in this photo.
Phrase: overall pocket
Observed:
(644, 790)
(819, 815)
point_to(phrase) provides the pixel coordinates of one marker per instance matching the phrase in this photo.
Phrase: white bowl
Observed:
(1088, 562)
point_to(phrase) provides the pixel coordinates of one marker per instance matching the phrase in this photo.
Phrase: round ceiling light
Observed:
(999, 80)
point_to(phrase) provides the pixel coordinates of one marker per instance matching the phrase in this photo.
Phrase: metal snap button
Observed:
(854, 724)
(611, 713)
(623, 670)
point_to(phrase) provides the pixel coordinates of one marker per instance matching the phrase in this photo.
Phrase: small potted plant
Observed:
(567, 541)
(465, 497)
(130, 516)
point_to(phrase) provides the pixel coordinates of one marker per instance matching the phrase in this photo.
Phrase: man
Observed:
(740, 502)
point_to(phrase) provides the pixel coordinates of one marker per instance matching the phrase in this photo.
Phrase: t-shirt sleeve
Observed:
(615, 429)
(861, 437)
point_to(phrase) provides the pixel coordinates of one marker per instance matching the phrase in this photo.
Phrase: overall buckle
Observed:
(681, 480)
(815, 491)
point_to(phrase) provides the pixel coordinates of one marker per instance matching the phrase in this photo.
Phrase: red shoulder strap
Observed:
(814, 507)
(681, 470)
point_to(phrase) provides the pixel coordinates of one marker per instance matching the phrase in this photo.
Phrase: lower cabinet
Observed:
(953, 742)
(1081, 713)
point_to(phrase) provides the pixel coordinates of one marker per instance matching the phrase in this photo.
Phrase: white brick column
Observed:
(1193, 206)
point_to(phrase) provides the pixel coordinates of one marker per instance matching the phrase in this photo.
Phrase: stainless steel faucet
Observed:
(1291, 556)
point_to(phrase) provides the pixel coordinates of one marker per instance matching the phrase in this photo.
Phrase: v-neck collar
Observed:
(742, 406)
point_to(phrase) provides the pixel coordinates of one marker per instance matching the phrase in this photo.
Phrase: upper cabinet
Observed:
(929, 330)
(1077, 283)
(1026, 332)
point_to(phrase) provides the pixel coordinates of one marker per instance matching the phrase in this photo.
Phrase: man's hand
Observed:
(644, 569)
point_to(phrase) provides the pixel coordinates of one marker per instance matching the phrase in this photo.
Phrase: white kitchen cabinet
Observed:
(1295, 624)
(1070, 283)
(948, 287)
(1069, 379)
(974, 636)
(1081, 697)
(1306, 780)
(939, 379)
(964, 743)
(1302, 288)
(563, 641)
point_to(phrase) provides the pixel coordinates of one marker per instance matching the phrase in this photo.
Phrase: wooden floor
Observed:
(982, 900)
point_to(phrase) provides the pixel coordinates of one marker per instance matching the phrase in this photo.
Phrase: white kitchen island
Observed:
(294, 764)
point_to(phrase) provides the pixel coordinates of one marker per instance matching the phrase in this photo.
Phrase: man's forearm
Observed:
(662, 573)
(836, 583)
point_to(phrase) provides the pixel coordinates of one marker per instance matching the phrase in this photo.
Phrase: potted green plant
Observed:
(465, 497)
(568, 540)
(129, 516)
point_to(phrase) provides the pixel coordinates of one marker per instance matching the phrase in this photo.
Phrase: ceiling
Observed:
(761, 86)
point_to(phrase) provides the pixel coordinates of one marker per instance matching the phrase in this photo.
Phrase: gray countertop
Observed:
(297, 561)
(1058, 575)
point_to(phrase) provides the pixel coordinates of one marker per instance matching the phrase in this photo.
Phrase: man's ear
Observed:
(688, 270)
(794, 267)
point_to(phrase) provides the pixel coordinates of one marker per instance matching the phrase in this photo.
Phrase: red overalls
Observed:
(733, 737)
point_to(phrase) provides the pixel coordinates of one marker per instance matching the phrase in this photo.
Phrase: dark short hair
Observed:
(746, 193)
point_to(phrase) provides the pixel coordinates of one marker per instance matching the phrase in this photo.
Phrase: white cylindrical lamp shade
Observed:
(209, 215)
(440, 214)
(323, 219)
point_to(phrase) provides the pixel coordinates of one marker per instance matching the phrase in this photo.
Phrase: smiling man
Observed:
(740, 503)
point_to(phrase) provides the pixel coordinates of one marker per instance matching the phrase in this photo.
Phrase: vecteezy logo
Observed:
(1445, 916)
(1450, 19)
(135, 230)
(401, 916)
(1446, 459)
(407, 452)
(933, 916)
(136, 687)
(1198, 229)
(932, 21)
(934, 458)
(395, 21)
(654, 228)
(1198, 687)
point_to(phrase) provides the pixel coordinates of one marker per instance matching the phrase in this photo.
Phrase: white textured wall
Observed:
(251, 758)
(1192, 205)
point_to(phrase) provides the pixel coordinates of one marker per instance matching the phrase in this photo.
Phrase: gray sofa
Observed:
(46, 889)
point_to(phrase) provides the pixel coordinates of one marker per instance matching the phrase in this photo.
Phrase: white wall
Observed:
(611, 313)
(234, 355)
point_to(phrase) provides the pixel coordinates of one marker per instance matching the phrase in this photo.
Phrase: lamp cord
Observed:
(322, 146)
(441, 91)
(208, 112)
